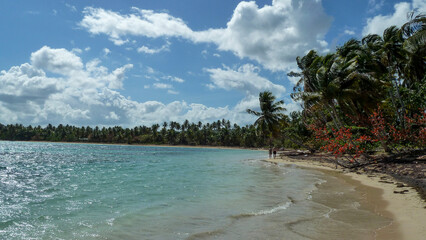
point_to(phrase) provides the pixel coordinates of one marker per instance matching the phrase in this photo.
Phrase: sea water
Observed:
(88, 191)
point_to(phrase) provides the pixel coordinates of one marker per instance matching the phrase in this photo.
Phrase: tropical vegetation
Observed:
(369, 95)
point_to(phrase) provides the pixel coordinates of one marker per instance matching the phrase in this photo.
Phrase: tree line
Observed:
(218, 133)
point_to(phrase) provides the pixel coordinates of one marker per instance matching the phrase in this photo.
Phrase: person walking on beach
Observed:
(275, 152)
(270, 152)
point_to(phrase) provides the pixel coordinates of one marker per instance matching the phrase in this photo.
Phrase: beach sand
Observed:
(407, 210)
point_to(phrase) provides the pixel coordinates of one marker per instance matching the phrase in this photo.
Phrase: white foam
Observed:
(273, 210)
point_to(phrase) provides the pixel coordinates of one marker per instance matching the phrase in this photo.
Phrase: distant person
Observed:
(270, 152)
(275, 152)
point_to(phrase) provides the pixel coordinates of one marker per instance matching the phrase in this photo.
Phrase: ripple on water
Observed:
(78, 191)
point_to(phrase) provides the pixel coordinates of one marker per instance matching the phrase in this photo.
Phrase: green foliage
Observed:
(219, 133)
(342, 90)
(270, 115)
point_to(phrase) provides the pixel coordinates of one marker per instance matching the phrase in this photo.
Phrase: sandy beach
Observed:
(408, 210)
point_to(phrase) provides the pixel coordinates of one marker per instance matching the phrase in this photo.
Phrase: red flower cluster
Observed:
(341, 142)
(344, 143)
(413, 131)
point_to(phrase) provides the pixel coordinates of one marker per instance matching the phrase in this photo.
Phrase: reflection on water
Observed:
(79, 191)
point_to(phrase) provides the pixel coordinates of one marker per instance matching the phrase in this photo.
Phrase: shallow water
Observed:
(82, 191)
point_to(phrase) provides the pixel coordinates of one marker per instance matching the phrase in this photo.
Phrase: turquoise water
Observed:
(82, 191)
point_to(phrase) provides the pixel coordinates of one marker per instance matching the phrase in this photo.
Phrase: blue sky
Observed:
(134, 63)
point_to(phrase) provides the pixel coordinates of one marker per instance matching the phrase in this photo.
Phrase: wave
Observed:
(264, 212)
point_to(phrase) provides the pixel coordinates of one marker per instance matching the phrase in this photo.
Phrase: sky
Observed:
(132, 63)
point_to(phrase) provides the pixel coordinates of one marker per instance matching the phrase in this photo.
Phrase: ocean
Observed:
(90, 191)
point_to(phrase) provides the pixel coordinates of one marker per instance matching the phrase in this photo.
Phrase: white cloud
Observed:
(349, 32)
(204, 53)
(162, 86)
(150, 70)
(115, 79)
(249, 102)
(71, 7)
(375, 5)
(245, 79)
(34, 97)
(377, 24)
(291, 106)
(112, 116)
(84, 94)
(106, 51)
(76, 51)
(172, 92)
(141, 23)
(24, 84)
(59, 61)
(273, 35)
(147, 50)
(199, 112)
(174, 79)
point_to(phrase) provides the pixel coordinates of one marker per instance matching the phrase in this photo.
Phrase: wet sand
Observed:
(407, 211)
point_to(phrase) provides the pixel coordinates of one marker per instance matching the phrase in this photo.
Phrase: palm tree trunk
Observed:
(335, 117)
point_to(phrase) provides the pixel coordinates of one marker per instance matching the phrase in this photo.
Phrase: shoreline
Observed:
(407, 210)
(147, 145)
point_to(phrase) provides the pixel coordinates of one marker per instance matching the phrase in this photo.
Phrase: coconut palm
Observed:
(270, 115)
(414, 33)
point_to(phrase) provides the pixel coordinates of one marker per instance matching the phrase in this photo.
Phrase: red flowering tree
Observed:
(409, 136)
(344, 144)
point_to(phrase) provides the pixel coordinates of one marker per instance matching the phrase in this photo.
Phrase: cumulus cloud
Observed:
(112, 116)
(249, 102)
(59, 61)
(377, 24)
(83, 94)
(203, 113)
(24, 84)
(34, 97)
(140, 23)
(273, 35)
(245, 79)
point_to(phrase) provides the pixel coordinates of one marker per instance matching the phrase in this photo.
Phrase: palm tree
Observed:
(270, 115)
(414, 33)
